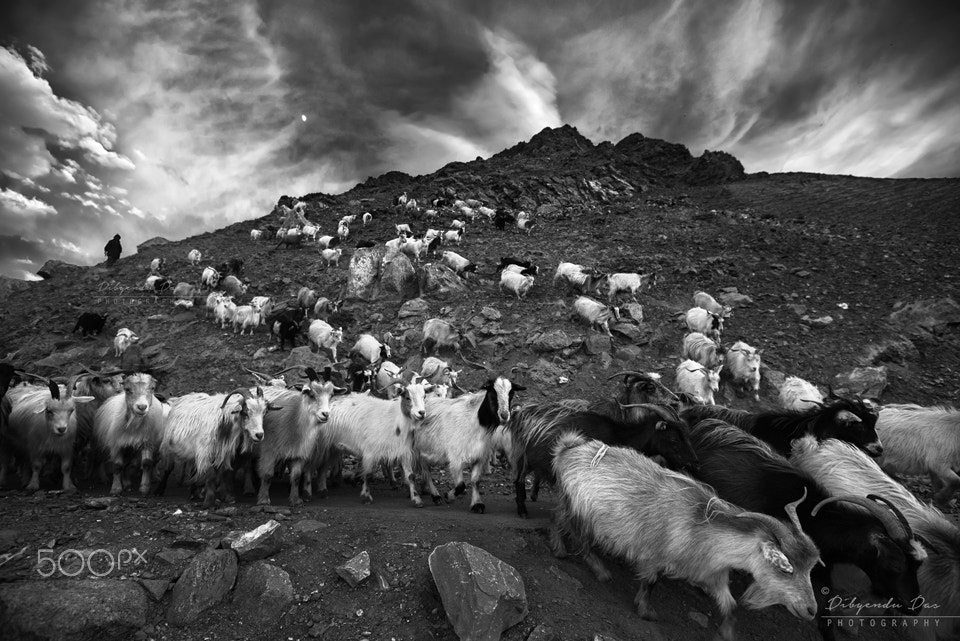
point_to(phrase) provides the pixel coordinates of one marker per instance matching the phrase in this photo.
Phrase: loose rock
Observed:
(482, 595)
(205, 583)
(861, 381)
(356, 569)
(259, 543)
(264, 591)
(550, 341)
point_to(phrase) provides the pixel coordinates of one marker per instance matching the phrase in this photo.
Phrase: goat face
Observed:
(671, 439)
(853, 421)
(412, 400)
(139, 390)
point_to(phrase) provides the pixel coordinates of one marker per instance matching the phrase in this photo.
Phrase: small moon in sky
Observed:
(303, 117)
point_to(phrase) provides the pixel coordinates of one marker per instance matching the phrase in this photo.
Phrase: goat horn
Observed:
(100, 374)
(628, 372)
(809, 400)
(54, 390)
(36, 376)
(283, 371)
(896, 511)
(311, 373)
(242, 391)
(888, 520)
(791, 509)
(258, 375)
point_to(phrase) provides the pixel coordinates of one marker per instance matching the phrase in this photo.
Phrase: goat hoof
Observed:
(478, 508)
(114, 492)
(322, 494)
(366, 499)
(264, 502)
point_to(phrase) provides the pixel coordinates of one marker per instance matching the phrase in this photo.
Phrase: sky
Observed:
(175, 117)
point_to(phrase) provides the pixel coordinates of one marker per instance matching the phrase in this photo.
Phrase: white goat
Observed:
(39, 422)
(224, 310)
(389, 380)
(375, 429)
(256, 234)
(207, 431)
(707, 302)
(332, 256)
(697, 381)
(457, 432)
(324, 241)
(348, 220)
(291, 432)
(325, 307)
(370, 349)
(798, 395)
(367, 218)
(453, 236)
(708, 323)
(577, 276)
(457, 263)
(439, 334)
(343, 232)
(210, 277)
(213, 299)
(922, 440)
(701, 349)
(306, 299)
(595, 313)
(663, 522)
(310, 231)
(194, 256)
(124, 339)
(415, 248)
(622, 282)
(404, 228)
(457, 224)
(130, 421)
(324, 336)
(439, 372)
(246, 317)
(743, 365)
(516, 283)
(156, 265)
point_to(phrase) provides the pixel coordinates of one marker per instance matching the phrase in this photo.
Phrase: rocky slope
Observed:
(876, 256)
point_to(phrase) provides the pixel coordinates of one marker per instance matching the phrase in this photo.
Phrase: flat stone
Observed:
(596, 343)
(156, 588)
(634, 311)
(263, 591)
(175, 555)
(553, 340)
(482, 595)
(628, 353)
(896, 350)
(355, 570)
(820, 322)
(734, 299)
(490, 313)
(413, 308)
(72, 609)
(308, 525)
(628, 330)
(258, 543)
(206, 582)
(861, 381)
(930, 315)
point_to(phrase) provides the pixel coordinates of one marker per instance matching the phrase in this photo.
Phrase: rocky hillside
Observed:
(844, 281)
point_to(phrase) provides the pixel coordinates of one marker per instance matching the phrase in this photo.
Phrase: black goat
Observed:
(8, 375)
(90, 323)
(285, 311)
(510, 260)
(286, 330)
(501, 219)
(844, 419)
(360, 243)
(536, 428)
(877, 538)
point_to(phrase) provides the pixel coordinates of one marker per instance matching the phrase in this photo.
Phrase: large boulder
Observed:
(861, 381)
(363, 275)
(439, 280)
(482, 595)
(398, 275)
(550, 341)
(88, 609)
(932, 315)
(205, 583)
(263, 591)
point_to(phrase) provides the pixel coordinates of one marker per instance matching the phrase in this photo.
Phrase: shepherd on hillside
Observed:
(112, 250)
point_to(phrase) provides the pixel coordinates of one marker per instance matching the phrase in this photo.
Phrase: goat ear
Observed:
(517, 388)
(775, 557)
(341, 390)
(847, 417)
(83, 399)
(40, 408)
(661, 426)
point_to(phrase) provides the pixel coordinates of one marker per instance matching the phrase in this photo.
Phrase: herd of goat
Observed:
(665, 480)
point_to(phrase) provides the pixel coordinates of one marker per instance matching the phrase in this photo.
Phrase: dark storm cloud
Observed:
(174, 118)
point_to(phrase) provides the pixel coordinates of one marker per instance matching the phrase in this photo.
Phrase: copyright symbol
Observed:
(824, 590)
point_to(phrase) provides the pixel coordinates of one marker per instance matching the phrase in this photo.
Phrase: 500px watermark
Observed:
(98, 562)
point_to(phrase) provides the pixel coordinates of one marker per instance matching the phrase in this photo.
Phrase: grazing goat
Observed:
(310, 231)
(389, 380)
(698, 381)
(290, 433)
(662, 522)
(404, 228)
(325, 307)
(525, 224)
(458, 263)
(849, 420)
(516, 283)
(332, 256)
(348, 220)
(798, 395)
(375, 429)
(367, 218)
(708, 323)
(705, 301)
(840, 468)
(324, 336)
(439, 372)
(306, 298)
(453, 236)
(578, 277)
(745, 471)
(157, 265)
(223, 310)
(327, 242)
(415, 248)
(458, 433)
(256, 234)
(204, 431)
(370, 349)
(232, 286)
(194, 256)
(534, 430)
(130, 421)
(595, 313)
(632, 283)
(343, 231)
(40, 422)
(743, 366)
(701, 349)
(438, 335)
(923, 440)
(123, 340)
(90, 323)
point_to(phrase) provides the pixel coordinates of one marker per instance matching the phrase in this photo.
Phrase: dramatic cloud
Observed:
(173, 118)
